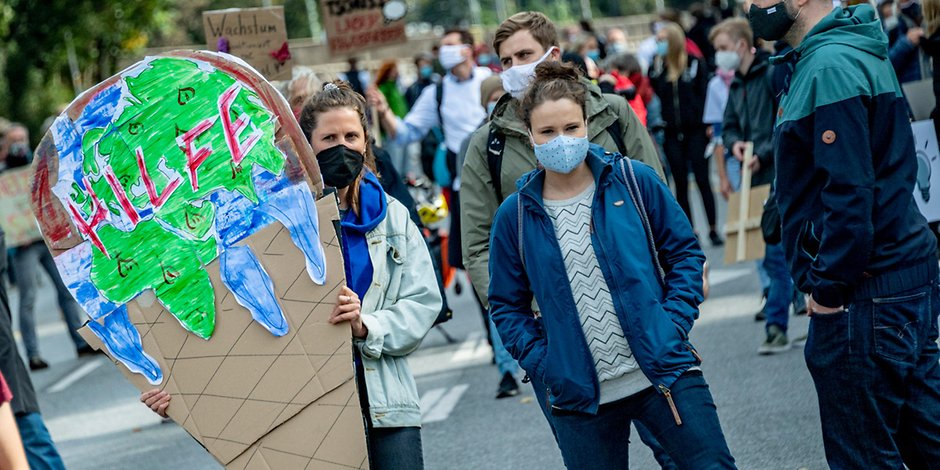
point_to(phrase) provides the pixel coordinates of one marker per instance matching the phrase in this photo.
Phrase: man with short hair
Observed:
(854, 238)
(28, 259)
(500, 152)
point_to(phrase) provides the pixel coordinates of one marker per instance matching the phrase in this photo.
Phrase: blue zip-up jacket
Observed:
(846, 164)
(656, 319)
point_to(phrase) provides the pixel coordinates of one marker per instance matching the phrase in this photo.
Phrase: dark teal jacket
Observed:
(846, 162)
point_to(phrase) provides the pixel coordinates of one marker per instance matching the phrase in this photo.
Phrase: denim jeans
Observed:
(41, 453)
(395, 449)
(780, 294)
(878, 381)
(504, 361)
(601, 441)
(27, 261)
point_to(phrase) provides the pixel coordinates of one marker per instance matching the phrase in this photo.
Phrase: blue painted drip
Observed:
(121, 338)
(246, 279)
(296, 209)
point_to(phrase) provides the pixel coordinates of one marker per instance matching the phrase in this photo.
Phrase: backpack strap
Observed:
(634, 190)
(440, 101)
(616, 132)
(496, 142)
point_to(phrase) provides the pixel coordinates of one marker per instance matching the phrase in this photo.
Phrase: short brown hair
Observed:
(554, 81)
(537, 24)
(466, 37)
(735, 28)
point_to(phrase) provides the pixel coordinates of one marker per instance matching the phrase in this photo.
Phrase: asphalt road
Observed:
(767, 404)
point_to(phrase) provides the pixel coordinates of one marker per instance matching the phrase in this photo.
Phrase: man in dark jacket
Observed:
(749, 117)
(854, 238)
(40, 450)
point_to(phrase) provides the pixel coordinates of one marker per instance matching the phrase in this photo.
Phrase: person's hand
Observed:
(814, 308)
(157, 400)
(914, 35)
(724, 185)
(754, 164)
(738, 150)
(710, 132)
(348, 308)
(376, 99)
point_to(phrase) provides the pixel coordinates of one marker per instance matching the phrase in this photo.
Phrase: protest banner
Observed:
(179, 201)
(256, 35)
(16, 216)
(357, 25)
(926, 188)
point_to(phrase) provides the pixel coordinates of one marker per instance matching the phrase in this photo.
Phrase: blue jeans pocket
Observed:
(896, 323)
(828, 340)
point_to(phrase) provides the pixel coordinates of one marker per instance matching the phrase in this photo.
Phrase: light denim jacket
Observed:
(398, 309)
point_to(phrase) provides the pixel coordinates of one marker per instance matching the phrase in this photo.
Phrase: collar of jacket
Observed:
(600, 162)
(759, 66)
(857, 26)
(507, 117)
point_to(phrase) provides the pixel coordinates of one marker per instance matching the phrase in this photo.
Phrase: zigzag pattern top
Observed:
(609, 348)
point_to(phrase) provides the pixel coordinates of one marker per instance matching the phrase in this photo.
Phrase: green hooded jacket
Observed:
(478, 201)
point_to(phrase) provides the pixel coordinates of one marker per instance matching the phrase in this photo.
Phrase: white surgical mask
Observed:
(891, 22)
(490, 107)
(563, 153)
(517, 78)
(452, 56)
(728, 61)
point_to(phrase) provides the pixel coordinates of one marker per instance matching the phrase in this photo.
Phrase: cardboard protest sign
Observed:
(744, 238)
(179, 200)
(16, 216)
(353, 26)
(927, 187)
(256, 35)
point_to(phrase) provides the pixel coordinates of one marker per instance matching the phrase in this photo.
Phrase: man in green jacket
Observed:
(522, 41)
(502, 148)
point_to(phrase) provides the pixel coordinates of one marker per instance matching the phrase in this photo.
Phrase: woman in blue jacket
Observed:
(602, 247)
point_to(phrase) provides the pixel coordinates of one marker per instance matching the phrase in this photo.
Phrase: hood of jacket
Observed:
(508, 113)
(599, 160)
(857, 27)
(373, 206)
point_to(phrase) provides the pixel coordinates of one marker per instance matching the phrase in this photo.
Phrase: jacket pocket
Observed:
(809, 241)
(896, 323)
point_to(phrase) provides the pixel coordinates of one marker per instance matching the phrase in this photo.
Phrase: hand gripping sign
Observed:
(179, 200)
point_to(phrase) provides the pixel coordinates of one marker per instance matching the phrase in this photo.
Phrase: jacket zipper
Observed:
(672, 405)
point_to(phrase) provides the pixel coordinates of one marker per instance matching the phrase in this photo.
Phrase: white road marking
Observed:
(445, 405)
(75, 376)
(721, 276)
(430, 398)
(104, 420)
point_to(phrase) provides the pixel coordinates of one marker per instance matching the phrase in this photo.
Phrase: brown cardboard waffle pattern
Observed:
(253, 400)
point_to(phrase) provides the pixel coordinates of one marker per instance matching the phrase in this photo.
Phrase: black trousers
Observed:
(684, 150)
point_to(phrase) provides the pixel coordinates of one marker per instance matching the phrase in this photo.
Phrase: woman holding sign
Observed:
(391, 297)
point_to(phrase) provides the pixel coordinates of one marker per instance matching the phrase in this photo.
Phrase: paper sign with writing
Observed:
(927, 187)
(355, 25)
(257, 35)
(179, 201)
(16, 217)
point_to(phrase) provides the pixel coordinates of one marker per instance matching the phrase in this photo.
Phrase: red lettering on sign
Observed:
(238, 149)
(89, 227)
(194, 158)
(121, 195)
(156, 200)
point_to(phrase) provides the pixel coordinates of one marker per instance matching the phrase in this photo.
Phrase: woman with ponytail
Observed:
(601, 246)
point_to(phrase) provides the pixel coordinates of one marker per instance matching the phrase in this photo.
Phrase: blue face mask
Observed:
(484, 60)
(490, 107)
(426, 71)
(662, 48)
(563, 153)
(594, 55)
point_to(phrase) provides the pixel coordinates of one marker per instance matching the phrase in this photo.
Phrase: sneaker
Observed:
(715, 239)
(86, 350)
(761, 315)
(36, 363)
(776, 342)
(799, 341)
(507, 387)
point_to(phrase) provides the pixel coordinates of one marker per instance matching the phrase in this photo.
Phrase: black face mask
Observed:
(771, 23)
(340, 165)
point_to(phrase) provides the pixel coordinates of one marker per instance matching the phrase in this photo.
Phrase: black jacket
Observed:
(684, 100)
(750, 115)
(11, 364)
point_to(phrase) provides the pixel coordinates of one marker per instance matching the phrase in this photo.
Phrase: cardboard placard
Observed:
(353, 26)
(178, 199)
(16, 216)
(927, 185)
(753, 240)
(256, 35)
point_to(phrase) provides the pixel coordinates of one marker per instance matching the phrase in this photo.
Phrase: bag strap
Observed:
(634, 190)
(440, 101)
(494, 160)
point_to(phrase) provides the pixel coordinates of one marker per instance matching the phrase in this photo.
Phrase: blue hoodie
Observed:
(373, 206)
(846, 167)
(656, 317)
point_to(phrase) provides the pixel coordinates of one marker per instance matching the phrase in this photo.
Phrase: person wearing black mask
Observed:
(391, 297)
(854, 239)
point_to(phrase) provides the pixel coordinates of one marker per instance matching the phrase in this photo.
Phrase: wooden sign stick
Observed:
(745, 208)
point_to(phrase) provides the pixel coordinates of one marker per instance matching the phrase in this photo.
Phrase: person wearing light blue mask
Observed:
(594, 236)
